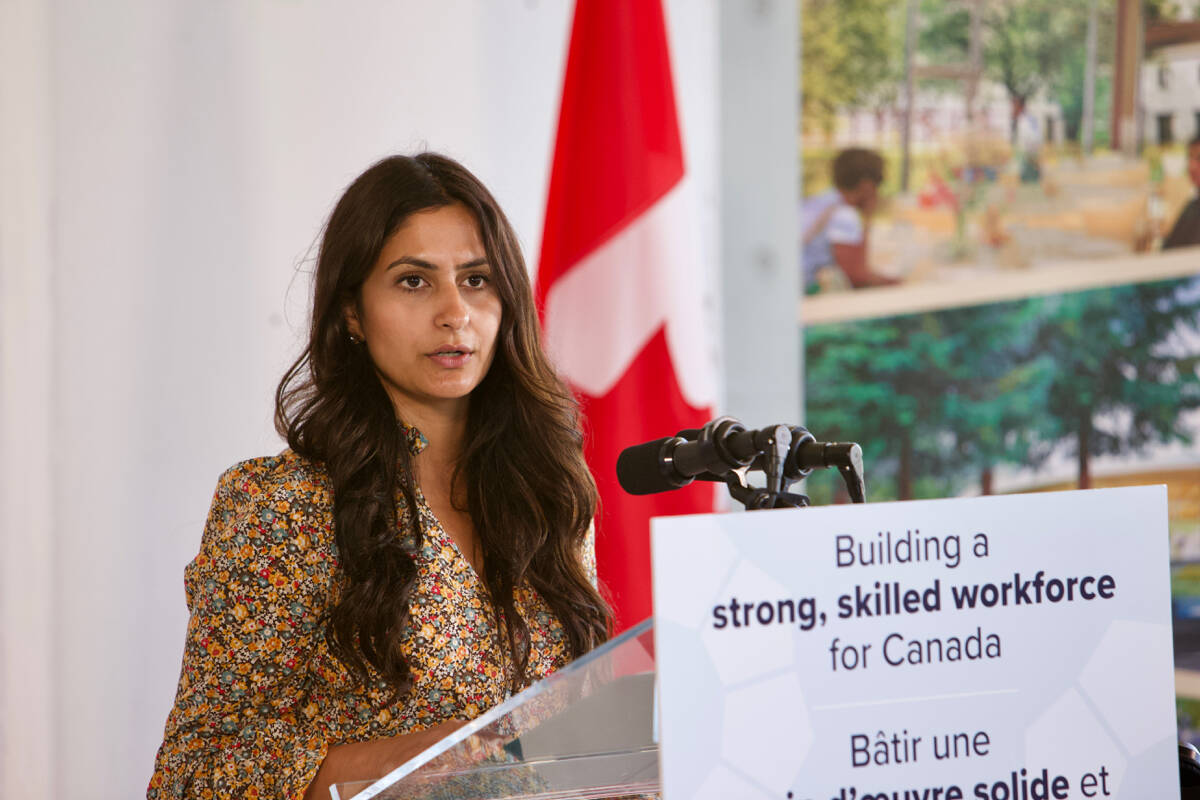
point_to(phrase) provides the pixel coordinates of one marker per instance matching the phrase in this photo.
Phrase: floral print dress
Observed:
(261, 698)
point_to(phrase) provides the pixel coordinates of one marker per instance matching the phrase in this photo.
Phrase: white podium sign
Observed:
(1004, 648)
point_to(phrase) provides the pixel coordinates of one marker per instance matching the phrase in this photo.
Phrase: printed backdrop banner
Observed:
(1002, 648)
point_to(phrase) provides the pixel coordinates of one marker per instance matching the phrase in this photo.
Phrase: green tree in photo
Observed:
(1067, 87)
(1028, 41)
(997, 393)
(882, 383)
(1126, 369)
(1068, 93)
(850, 56)
(1027, 44)
(943, 35)
(1160, 10)
(935, 399)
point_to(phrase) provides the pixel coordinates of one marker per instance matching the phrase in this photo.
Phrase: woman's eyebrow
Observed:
(413, 261)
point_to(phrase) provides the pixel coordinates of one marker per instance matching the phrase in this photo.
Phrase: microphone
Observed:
(723, 446)
(650, 467)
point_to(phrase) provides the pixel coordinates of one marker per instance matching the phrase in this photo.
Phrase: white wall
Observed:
(26, 418)
(167, 165)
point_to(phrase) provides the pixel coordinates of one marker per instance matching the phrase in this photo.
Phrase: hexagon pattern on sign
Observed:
(1128, 649)
(1089, 751)
(723, 783)
(768, 649)
(781, 697)
(707, 566)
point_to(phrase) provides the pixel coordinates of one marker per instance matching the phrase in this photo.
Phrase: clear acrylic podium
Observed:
(588, 731)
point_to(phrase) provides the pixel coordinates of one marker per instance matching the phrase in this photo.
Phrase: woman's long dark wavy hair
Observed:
(527, 487)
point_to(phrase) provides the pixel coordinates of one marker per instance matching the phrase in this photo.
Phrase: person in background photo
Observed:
(1186, 231)
(1027, 140)
(835, 224)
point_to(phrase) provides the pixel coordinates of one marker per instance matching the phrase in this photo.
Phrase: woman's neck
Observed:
(433, 472)
(444, 430)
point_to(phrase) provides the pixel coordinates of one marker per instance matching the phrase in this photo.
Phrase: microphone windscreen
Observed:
(640, 468)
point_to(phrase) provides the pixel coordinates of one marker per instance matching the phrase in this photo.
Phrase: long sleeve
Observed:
(244, 724)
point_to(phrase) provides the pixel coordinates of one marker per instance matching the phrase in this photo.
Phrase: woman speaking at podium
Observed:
(422, 549)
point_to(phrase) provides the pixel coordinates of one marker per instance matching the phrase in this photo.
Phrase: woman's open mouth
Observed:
(451, 357)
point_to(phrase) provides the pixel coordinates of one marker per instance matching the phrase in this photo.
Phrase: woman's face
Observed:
(429, 312)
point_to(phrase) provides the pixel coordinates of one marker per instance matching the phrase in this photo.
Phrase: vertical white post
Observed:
(760, 253)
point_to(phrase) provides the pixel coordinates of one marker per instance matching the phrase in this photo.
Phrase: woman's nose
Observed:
(453, 311)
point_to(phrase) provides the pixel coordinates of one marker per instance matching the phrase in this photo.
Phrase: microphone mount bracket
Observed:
(785, 453)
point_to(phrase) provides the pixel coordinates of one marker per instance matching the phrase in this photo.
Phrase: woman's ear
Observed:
(350, 314)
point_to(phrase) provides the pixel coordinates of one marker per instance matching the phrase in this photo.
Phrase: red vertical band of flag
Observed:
(617, 154)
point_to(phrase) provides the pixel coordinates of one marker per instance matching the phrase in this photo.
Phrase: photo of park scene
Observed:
(1054, 391)
(1016, 135)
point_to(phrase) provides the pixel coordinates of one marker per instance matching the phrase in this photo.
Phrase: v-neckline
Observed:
(447, 538)
(475, 584)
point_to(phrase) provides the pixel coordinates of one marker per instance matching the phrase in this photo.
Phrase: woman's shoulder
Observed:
(272, 492)
(273, 478)
(269, 515)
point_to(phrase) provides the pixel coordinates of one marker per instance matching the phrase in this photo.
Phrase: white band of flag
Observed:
(646, 276)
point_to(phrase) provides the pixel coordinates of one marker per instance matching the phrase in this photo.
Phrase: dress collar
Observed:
(414, 438)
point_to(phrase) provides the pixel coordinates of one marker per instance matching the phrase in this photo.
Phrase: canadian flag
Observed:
(622, 297)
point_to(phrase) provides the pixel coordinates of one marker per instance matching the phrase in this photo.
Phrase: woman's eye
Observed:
(411, 281)
(477, 281)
